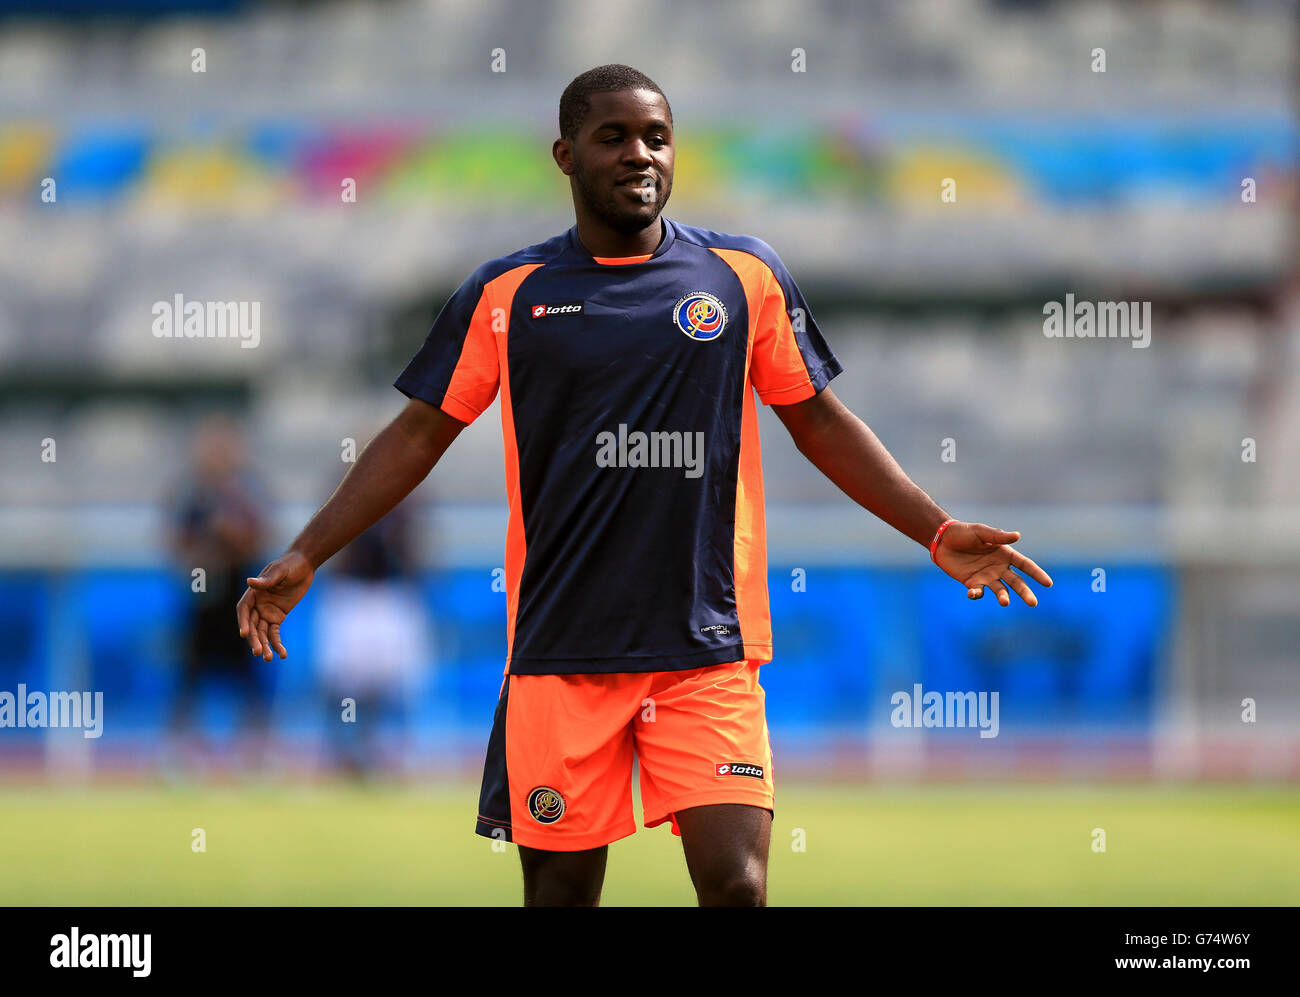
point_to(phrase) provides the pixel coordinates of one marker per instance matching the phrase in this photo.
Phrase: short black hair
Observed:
(575, 102)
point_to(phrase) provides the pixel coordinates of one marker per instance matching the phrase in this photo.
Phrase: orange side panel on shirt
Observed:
(500, 293)
(750, 551)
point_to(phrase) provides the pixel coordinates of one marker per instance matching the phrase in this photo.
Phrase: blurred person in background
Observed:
(218, 527)
(371, 632)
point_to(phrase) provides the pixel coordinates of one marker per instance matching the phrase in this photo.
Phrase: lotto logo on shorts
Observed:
(546, 805)
(738, 768)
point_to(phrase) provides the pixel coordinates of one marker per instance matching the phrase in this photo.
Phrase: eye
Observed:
(612, 140)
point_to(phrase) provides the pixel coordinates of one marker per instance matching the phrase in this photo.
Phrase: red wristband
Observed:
(938, 535)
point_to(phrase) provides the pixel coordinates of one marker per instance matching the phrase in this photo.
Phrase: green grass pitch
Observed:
(869, 844)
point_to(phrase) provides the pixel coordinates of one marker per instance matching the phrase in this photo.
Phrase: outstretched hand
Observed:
(980, 556)
(268, 599)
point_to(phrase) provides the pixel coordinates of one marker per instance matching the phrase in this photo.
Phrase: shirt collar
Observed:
(670, 234)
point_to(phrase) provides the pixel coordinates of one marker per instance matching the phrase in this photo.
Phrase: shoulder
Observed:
(538, 253)
(752, 245)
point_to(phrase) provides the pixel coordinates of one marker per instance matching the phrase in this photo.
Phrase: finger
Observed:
(269, 578)
(975, 592)
(1018, 560)
(276, 643)
(1020, 587)
(992, 535)
(265, 638)
(241, 614)
(1000, 590)
(254, 642)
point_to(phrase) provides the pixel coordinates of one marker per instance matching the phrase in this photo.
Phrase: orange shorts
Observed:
(558, 774)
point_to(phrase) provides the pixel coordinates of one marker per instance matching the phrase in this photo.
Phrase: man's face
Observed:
(621, 162)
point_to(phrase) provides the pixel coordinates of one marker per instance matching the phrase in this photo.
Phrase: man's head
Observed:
(616, 146)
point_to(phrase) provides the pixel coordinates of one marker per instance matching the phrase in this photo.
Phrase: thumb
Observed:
(992, 535)
(270, 577)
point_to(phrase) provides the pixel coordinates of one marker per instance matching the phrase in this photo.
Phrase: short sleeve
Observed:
(457, 369)
(791, 361)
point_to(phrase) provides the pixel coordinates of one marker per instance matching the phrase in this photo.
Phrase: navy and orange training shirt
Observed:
(636, 539)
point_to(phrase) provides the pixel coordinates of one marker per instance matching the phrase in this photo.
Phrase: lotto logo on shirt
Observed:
(568, 308)
(739, 768)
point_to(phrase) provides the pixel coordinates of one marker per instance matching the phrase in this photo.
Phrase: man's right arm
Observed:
(388, 469)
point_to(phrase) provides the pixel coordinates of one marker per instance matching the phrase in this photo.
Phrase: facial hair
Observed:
(604, 204)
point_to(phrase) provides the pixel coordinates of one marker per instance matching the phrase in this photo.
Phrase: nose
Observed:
(636, 152)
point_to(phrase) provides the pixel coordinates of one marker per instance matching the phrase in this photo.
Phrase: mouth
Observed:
(642, 188)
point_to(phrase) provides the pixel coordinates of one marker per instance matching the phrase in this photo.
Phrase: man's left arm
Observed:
(844, 448)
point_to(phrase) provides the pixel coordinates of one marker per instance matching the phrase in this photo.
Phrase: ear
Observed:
(562, 153)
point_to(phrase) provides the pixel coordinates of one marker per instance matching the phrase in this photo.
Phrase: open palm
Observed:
(980, 557)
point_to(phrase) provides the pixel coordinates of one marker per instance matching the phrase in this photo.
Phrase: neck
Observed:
(601, 240)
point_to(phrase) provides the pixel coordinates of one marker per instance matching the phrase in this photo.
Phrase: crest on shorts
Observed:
(546, 805)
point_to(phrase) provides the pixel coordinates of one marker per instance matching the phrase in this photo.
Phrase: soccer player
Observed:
(626, 352)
